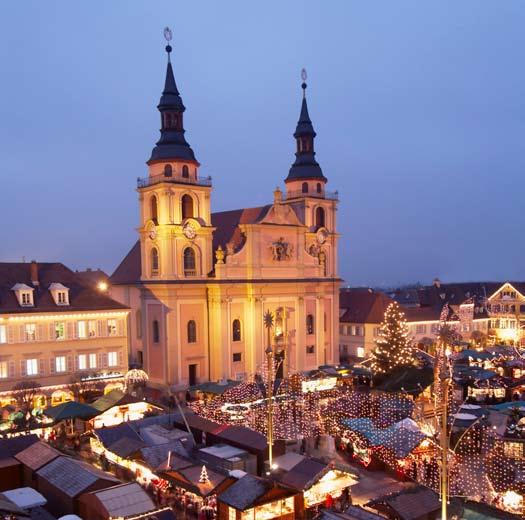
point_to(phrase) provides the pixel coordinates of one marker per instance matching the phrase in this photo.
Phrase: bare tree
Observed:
(25, 392)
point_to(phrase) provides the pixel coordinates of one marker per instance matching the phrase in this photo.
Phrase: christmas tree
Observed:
(204, 476)
(393, 347)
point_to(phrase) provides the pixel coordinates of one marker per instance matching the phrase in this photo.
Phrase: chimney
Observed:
(436, 283)
(33, 269)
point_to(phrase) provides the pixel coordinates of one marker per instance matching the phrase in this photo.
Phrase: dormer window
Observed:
(24, 294)
(60, 294)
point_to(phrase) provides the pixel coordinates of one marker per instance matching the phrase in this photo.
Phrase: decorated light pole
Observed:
(268, 323)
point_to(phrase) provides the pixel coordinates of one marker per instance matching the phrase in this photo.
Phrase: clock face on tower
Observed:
(189, 231)
(321, 236)
(153, 233)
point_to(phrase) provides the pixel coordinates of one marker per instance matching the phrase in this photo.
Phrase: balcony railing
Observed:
(327, 195)
(156, 179)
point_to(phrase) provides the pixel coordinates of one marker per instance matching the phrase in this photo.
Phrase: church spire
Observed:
(305, 165)
(172, 144)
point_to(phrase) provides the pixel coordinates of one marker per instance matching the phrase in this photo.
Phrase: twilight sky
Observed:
(419, 109)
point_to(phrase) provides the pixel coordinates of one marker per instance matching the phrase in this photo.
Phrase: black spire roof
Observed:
(172, 144)
(305, 165)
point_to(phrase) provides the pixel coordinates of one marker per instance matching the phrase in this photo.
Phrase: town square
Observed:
(262, 261)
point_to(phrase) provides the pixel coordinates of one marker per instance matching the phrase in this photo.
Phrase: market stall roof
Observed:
(410, 379)
(510, 405)
(126, 446)
(37, 455)
(14, 445)
(157, 457)
(216, 388)
(114, 398)
(124, 500)
(249, 492)
(474, 354)
(242, 436)
(70, 410)
(287, 461)
(25, 497)
(305, 474)
(189, 479)
(165, 513)
(479, 511)
(9, 507)
(351, 513)
(400, 440)
(197, 422)
(411, 503)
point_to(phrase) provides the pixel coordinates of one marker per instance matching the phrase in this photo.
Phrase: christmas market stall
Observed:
(194, 489)
(10, 466)
(33, 458)
(317, 481)
(256, 498)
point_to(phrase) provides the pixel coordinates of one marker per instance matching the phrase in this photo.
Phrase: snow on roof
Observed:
(125, 500)
(288, 460)
(25, 497)
(223, 451)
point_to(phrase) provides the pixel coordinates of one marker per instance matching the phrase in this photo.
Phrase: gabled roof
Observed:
(363, 305)
(305, 474)
(73, 477)
(114, 398)
(124, 500)
(241, 435)
(37, 455)
(129, 270)
(412, 503)
(111, 434)
(81, 296)
(14, 445)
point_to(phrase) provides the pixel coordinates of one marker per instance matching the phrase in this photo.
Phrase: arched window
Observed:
(156, 331)
(153, 209)
(309, 324)
(319, 188)
(189, 262)
(236, 330)
(138, 320)
(185, 172)
(168, 170)
(187, 206)
(154, 261)
(192, 331)
(319, 217)
(304, 187)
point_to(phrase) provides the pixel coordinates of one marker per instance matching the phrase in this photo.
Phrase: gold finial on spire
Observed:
(168, 35)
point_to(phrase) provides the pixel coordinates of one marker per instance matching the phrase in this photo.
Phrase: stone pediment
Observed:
(281, 214)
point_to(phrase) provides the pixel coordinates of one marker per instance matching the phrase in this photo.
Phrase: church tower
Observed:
(175, 222)
(306, 192)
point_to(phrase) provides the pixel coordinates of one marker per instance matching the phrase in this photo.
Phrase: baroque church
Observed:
(209, 292)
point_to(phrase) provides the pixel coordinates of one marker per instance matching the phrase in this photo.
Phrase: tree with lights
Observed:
(393, 347)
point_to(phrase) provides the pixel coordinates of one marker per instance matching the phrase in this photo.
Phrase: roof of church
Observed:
(82, 296)
(227, 231)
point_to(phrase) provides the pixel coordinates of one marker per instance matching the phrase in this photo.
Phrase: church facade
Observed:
(209, 292)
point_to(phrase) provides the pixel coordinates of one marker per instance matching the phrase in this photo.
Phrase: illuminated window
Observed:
(112, 328)
(92, 361)
(27, 298)
(154, 261)
(3, 333)
(185, 172)
(60, 331)
(189, 262)
(421, 329)
(232, 513)
(360, 352)
(92, 328)
(237, 357)
(4, 372)
(81, 329)
(192, 331)
(156, 331)
(82, 361)
(30, 332)
(112, 359)
(32, 367)
(187, 206)
(60, 364)
(236, 330)
(309, 324)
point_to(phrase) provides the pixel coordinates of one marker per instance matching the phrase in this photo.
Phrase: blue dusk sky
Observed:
(419, 109)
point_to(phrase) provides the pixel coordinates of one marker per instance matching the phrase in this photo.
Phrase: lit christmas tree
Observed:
(393, 348)
(203, 479)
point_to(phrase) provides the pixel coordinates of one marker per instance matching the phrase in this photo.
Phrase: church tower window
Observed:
(319, 188)
(309, 324)
(156, 331)
(153, 209)
(185, 172)
(304, 187)
(187, 206)
(189, 262)
(154, 262)
(236, 330)
(192, 331)
(168, 170)
(319, 217)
